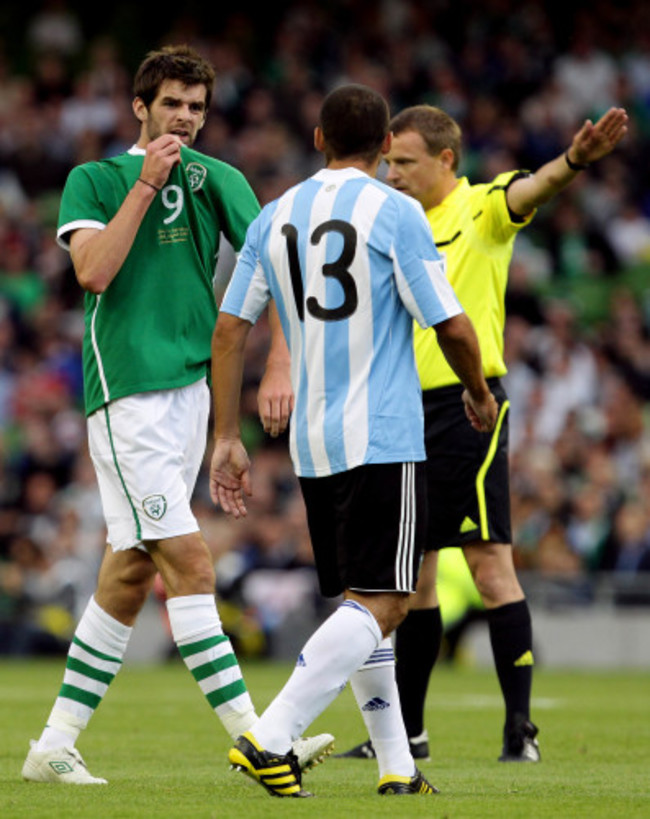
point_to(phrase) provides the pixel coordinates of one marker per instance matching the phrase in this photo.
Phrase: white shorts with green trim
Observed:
(147, 450)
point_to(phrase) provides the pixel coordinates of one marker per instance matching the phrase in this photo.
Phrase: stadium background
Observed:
(520, 78)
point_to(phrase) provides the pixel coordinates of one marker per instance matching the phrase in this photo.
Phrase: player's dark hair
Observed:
(354, 122)
(172, 62)
(437, 129)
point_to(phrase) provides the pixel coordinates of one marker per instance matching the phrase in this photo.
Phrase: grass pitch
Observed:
(164, 752)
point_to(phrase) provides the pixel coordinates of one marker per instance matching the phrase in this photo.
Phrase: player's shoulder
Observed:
(397, 202)
(95, 169)
(401, 199)
(258, 231)
(286, 199)
(404, 207)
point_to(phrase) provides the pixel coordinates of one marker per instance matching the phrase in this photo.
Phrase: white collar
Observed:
(352, 173)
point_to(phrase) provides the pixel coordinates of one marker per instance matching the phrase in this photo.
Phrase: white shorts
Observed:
(147, 450)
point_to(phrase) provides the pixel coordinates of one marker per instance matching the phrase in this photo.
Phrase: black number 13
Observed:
(337, 270)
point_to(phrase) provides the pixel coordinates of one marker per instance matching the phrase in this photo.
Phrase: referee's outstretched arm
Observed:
(589, 144)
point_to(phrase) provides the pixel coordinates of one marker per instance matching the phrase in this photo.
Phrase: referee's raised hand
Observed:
(593, 141)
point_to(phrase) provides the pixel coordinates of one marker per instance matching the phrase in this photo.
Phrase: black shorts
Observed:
(368, 527)
(467, 471)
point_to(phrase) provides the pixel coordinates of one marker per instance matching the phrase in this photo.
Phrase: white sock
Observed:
(94, 658)
(208, 653)
(377, 696)
(333, 652)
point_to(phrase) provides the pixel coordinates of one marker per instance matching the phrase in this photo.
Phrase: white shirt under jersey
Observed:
(349, 262)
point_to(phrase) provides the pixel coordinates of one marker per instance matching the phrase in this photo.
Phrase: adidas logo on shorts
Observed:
(467, 525)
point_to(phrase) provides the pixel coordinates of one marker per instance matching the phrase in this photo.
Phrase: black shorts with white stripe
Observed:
(368, 527)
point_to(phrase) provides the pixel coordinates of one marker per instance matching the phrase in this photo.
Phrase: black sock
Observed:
(511, 637)
(417, 643)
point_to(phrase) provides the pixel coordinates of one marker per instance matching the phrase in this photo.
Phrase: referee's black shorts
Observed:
(468, 486)
(368, 527)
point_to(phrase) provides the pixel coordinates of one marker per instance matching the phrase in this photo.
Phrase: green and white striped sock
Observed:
(208, 653)
(94, 658)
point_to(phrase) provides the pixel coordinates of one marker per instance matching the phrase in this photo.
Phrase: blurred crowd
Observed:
(520, 76)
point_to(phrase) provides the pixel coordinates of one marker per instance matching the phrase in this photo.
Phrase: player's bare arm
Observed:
(459, 343)
(275, 395)
(589, 144)
(230, 465)
(98, 255)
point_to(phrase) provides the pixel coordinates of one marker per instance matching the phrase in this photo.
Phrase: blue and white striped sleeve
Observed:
(420, 269)
(248, 292)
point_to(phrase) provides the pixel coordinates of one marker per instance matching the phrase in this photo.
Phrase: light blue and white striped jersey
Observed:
(349, 262)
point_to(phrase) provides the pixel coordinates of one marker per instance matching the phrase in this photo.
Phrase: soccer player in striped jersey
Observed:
(469, 505)
(143, 232)
(349, 264)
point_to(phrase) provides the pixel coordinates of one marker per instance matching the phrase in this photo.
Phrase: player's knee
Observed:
(194, 577)
(496, 586)
(426, 595)
(389, 609)
(122, 594)
(394, 614)
(203, 579)
(185, 565)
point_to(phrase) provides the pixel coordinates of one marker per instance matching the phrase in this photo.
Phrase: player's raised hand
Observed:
(230, 476)
(595, 141)
(162, 154)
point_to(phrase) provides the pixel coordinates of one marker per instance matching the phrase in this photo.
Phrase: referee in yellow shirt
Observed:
(475, 227)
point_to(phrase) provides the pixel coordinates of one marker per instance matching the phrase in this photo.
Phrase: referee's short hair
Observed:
(435, 126)
(354, 121)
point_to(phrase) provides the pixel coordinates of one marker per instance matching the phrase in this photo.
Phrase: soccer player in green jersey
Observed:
(474, 226)
(143, 232)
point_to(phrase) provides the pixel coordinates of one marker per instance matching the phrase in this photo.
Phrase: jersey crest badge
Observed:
(196, 174)
(155, 506)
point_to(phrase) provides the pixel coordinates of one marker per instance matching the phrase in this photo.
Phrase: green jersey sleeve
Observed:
(81, 206)
(238, 205)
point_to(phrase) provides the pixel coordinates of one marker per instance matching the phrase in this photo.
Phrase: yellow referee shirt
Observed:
(474, 230)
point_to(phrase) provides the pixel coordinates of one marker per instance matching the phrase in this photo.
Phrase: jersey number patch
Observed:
(337, 269)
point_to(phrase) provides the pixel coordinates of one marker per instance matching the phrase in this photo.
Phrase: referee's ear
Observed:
(387, 143)
(447, 158)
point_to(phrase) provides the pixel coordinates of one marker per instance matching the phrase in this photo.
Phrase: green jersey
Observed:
(151, 329)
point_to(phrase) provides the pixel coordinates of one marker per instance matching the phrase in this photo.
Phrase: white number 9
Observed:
(172, 197)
